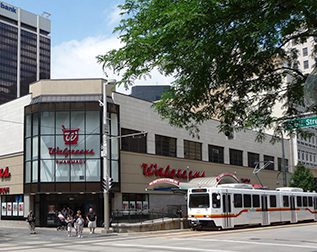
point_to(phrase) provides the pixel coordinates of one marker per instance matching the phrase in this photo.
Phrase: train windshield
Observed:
(200, 200)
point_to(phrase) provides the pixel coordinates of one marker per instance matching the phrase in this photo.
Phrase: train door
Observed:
(293, 209)
(315, 208)
(226, 202)
(265, 213)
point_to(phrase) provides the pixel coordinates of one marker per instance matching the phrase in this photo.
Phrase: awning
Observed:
(173, 184)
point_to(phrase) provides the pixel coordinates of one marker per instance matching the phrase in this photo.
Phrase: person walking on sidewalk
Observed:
(31, 220)
(80, 226)
(92, 220)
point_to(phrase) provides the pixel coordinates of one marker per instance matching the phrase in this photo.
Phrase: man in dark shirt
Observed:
(92, 220)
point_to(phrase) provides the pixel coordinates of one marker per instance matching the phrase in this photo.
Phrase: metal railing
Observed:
(141, 216)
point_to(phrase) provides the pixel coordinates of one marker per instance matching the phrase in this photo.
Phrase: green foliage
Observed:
(303, 178)
(225, 57)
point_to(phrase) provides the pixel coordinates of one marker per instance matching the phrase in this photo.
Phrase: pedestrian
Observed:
(69, 221)
(80, 226)
(78, 213)
(92, 220)
(31, 220)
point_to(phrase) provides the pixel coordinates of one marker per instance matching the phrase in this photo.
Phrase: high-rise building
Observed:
(25, 50)
(305, 150)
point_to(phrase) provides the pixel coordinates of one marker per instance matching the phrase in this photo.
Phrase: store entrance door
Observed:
(52, 204)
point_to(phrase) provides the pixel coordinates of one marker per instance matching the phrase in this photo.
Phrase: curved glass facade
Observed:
(62, 146)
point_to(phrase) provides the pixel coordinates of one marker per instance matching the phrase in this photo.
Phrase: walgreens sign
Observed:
(170, 172)
(71, 138)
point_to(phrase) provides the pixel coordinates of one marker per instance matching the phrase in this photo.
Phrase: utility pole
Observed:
(283, 166)
(107, 181)
(106, 177)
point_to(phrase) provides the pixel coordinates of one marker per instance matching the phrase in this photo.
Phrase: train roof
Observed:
(237, 186)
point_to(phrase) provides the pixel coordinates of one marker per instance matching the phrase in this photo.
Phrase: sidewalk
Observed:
(13, 224)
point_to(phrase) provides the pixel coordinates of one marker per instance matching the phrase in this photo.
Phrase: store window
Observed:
(253, 159)
(12, 206)
(62, 143)
(236, 157)
(216, 154)
(192, 150)
(136, 142)
(266, 159)
(134, 201)
(165, 146)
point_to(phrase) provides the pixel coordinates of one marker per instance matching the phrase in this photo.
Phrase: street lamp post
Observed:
(106, 177)
(283, 166)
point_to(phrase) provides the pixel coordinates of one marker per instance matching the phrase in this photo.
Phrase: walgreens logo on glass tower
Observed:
(70, 137)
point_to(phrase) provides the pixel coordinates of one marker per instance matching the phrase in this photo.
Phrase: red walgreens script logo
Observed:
(70, 135)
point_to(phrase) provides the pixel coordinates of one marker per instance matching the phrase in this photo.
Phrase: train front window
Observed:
(199, 200)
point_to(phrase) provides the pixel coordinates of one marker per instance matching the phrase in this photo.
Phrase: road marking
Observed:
(252, 242)
(240, 230)
(166, 248)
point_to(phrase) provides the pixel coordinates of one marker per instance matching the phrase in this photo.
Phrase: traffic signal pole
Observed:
(107, 181)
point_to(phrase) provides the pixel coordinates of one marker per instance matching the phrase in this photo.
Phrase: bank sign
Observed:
(70, 137)
(8, 7)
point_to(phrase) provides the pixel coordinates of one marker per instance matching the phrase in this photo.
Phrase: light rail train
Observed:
(231, 205)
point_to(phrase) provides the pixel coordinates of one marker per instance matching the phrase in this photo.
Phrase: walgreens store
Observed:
(51, 144)
(62, 147)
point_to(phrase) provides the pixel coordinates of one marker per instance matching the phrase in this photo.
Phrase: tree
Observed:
(303, 178)
(228, 57)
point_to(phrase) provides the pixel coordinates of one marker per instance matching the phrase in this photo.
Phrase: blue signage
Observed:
(8, 8)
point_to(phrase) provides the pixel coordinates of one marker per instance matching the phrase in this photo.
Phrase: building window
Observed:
(165, 146)
(136, 142)
(306, 64)
(279, 161)
(132, 201)
(253, 159)
(215, 154)
(236, 157)
(192, 150)
(267, 159)
(305, 51)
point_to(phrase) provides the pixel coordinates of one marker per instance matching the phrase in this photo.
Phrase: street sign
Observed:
(301, 123)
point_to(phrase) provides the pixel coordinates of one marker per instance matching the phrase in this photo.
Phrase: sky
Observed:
(81, 30)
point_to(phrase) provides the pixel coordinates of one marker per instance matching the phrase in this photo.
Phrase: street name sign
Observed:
(301, 123)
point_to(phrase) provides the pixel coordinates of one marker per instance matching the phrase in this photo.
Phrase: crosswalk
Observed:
(173, 240)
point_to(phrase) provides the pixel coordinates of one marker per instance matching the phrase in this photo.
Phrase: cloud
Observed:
(77, 59)
(114, 17)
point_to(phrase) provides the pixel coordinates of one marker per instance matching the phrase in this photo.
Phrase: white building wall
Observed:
(11, 124)
(139, 115)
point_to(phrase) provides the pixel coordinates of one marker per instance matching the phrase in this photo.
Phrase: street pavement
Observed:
(296, 237)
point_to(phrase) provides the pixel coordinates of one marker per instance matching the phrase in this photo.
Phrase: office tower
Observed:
(25, 51)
